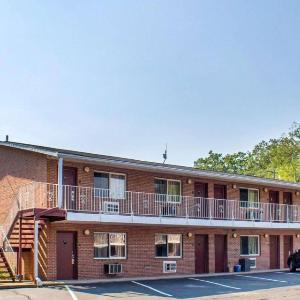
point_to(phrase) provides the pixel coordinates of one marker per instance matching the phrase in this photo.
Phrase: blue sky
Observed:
(125, 77)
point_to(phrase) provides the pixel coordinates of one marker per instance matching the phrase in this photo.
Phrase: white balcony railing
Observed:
(100, 201)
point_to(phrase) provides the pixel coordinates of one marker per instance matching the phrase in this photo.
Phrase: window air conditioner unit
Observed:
(252, 262)
(111, 207)
(112, 269)
(169, 267)
(169, 210)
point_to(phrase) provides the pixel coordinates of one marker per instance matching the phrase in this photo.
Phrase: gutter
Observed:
(180, 171)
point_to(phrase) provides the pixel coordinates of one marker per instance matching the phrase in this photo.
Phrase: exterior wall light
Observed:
(297, 193)
(265, 190)
(86, 232)
(266, 235)
(189, 234)
(234, 186)
(86, 169)
(297, 235)
(189, 181)
(234, 235)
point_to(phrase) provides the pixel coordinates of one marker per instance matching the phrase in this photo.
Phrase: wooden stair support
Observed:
(5, 267)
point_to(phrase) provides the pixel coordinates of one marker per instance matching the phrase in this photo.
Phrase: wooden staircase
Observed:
(6, 273)
(21, 236)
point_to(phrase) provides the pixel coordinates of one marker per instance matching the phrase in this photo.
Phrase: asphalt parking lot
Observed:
(235, 286)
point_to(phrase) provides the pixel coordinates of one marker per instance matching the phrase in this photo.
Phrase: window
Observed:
(250, 245)
(168, 245)
(109, 245)
(110, 185)
(249, 195)
(167, 190)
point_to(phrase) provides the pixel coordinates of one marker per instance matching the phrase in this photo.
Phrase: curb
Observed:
(109, 280)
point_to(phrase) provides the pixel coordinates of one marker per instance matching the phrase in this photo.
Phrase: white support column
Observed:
(36, 250)
(60, 182)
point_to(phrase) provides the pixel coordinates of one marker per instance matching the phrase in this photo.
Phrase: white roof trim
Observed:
(182, 171)
(30, 149)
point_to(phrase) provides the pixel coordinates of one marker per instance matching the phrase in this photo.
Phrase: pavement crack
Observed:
(22, 295)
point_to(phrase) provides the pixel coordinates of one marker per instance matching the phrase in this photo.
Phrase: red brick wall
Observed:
(141, 259)
(141, 181)
(18, 167)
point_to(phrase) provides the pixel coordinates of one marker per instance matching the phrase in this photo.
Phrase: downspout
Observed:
(60, 182)
(37, 280)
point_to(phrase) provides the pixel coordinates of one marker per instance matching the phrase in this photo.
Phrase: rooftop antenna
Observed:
(165, 154)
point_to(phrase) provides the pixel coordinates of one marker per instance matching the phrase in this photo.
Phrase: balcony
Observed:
(98, 205)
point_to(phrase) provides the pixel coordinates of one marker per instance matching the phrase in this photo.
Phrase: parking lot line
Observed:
(71, 293)
(262, 278)
(151, 288)
(216, 283)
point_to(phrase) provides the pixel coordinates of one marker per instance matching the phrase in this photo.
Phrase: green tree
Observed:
(277, 158)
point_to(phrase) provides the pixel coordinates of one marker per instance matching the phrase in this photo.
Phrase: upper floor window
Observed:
(168, 189)
(250, 245)
(109, 245)
(168, 245)
(249, 195)
(110, 184)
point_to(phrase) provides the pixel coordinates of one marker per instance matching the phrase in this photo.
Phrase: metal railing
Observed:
(10, 254)
(93, 200)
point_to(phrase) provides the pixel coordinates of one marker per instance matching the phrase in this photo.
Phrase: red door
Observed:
(274, 252)
(69, 192)
(220, 194)
(288, 248)
(201, 201)
(201, 253)
(221, 253)
(66, 261)
(274, 209)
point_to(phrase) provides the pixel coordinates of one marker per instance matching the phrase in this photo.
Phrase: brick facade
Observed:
(141, 260)
(19, 167)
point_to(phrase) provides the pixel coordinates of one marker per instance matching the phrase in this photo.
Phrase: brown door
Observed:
(201, 253)
(288, 200)
(66, 261)
(274, 209)
(288, 248)
(201, 201)
(274, 252)
(220, 194)
(69, 192)
(221, 253)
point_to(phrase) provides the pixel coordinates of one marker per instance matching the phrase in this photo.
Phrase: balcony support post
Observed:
(36, 250)
(60, 182)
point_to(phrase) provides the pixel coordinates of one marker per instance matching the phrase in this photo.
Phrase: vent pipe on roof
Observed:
(7, 138)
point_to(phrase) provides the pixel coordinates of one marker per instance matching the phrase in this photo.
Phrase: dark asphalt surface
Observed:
(186, 288)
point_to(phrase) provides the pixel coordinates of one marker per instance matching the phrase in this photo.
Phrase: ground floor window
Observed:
(109, 245)
(250, 245)
(168, 245)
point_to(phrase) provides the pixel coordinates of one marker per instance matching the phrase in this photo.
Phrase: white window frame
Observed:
(251, 189)
(251, 255)
(109, 254)
(181, 245)
(109, 180)
(180, 189)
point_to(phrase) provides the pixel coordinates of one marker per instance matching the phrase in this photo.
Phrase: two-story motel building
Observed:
(74, 215)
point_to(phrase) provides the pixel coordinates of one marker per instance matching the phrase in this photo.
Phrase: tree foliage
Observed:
(277, 158)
